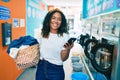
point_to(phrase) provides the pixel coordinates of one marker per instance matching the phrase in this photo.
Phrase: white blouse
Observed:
(50, 48)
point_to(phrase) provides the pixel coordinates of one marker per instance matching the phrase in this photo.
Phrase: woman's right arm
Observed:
(66, 51)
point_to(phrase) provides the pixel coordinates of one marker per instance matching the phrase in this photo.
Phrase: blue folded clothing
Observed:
(24, 40)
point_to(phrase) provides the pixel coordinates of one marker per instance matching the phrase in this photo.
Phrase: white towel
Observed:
(13, 52)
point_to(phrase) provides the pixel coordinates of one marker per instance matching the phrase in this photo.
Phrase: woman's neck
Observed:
(54, 31)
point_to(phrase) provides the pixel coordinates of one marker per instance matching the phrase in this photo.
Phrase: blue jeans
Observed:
(49, 71)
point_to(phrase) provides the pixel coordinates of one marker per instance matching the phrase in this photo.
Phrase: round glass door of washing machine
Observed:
(89, 44)
(102, 60)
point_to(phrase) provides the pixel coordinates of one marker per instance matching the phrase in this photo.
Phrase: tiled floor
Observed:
(28, 74)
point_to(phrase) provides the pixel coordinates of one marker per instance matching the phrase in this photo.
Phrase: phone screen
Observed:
(71, 40)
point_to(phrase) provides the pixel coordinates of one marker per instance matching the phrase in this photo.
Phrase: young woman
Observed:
(54, 49)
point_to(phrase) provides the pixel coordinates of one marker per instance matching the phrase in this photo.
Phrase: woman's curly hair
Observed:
(46, 24)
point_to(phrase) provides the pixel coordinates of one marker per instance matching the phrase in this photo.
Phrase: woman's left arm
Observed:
(66, 51)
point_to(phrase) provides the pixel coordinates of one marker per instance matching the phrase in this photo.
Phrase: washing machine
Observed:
(105, 53)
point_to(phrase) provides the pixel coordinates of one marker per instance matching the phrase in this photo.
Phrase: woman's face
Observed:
(55, 22)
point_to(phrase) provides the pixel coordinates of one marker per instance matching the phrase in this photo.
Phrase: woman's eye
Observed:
(58, 19)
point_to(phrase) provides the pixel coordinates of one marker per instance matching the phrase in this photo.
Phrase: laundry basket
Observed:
(79, 76)
(28, 57)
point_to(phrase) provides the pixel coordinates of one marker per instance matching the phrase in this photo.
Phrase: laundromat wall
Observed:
(8, 69)
(35, 13)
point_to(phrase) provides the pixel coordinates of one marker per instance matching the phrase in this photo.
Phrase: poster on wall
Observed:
(22, 22)
(29, 11)
(15, 22)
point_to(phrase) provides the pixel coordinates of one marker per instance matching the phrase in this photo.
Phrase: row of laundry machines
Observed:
(101, 47)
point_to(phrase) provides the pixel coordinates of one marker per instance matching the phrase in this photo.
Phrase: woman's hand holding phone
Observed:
(69, 43)
(71, 40)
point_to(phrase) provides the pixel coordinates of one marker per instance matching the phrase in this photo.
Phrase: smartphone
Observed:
(71, 40)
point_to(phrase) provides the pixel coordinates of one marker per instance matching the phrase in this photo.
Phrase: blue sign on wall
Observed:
(4, 13)
(118, 3)
(95, 7)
